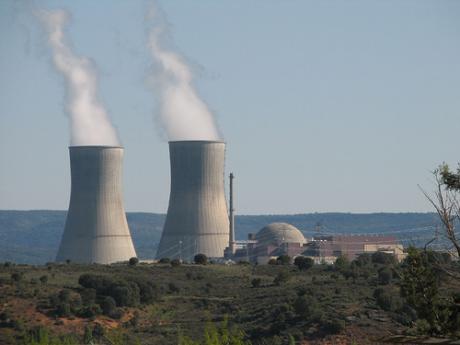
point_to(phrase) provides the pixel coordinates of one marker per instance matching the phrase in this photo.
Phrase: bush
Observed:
(173, 288)
(88, 296)
(175, 263)
(383, 258)
(283, 260)
(200, 259)
(303, 263)
(16, 276)
(44, 279)
(341, 263)
(385, 276)
(307, 308)
(333, 326)
(108, 305)
(256, 282)
(281, 278)
(272, 261)
(164, 261)
(133, 261)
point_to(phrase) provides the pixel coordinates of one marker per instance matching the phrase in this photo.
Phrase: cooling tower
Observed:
(96, 230)
(197, 219)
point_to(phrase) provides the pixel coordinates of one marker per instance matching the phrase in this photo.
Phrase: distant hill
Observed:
(33, 236)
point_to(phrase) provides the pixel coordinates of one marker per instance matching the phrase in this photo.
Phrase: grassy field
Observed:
(347, 303)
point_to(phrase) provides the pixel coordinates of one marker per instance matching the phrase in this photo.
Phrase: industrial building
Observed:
(328, 248)
(96, 230)
(197, 220)
(278, 239)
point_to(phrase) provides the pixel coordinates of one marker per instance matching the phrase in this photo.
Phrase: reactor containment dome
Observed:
(279, 233)
(96, 230)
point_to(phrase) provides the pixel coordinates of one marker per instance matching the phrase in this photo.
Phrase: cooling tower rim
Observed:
(95, 147)
(197, 141)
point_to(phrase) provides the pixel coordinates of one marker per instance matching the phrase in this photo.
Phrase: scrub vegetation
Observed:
(370, 300)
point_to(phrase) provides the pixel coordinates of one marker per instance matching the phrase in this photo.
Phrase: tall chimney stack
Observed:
(232, 218)
(96, 230)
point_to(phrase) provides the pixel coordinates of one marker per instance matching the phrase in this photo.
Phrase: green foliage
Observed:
(333, 326)
(16, 276)
(44, 279)
(283, 260)
(383, 258)
(256, 282)
(385, 275)
(217, 335)
(175, 263)
(281, 278)
(303, 263)
(129, 293)
(307, 308)
(164, 261)
(341, 263)
(420, 287)
(41, 336)
(108, 305)
(133, 261)
(450, 179)
(200, 259)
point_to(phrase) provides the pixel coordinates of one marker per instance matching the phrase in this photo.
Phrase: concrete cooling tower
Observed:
(197, 219)
(96, 230)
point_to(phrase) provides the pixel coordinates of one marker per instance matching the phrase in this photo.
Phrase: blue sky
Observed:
(324, 105)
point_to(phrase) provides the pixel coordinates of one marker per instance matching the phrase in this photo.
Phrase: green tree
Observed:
(419, 285)
(133, 261)
(108, 305)
(200, 259)
(283, 260)
(303, 263)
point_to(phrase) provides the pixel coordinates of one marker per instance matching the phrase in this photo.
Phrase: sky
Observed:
(325, 106)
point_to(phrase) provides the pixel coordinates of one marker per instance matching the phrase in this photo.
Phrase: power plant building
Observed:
(96, 230)
(197, 220)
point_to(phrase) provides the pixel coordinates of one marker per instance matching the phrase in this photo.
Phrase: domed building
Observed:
(271, 241)
(279, 233)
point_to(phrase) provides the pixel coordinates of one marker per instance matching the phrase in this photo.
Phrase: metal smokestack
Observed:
(197, 219)
(96, 230)
(231, 243)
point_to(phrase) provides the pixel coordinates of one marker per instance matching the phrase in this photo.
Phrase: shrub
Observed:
(173, 288)
(108, 305)
(133, 261)
(256, 282)
(383, 258)
(88, 296)
(385, 275)
(175, 263)
(200, 259)
(272, 262)
(341, 263)
(164, 261)
(44, 279)
(281, 278)
(303, 263)
(333, 326)
(16, 276)
(283, 260)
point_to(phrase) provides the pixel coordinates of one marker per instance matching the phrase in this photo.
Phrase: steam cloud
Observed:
(90, 123)
(183, 114)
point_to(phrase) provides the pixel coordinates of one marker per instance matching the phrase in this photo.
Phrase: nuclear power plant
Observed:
(197, 220)
(96, 230)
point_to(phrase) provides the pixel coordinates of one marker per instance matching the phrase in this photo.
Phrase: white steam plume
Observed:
(89, 121)
(182, 113)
